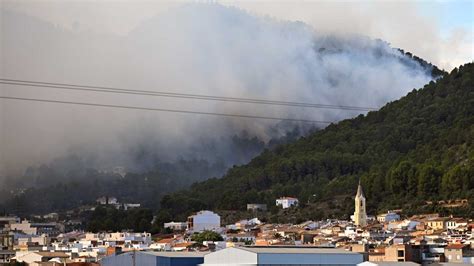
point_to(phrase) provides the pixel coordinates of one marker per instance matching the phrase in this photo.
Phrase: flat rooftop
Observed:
(296, 250)
(7, 252)
(394, 263)
(176, 254)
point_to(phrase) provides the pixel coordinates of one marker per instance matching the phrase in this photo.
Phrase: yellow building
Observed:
(435, 223)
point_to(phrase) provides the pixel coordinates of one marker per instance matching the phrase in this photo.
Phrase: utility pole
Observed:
(134, 256)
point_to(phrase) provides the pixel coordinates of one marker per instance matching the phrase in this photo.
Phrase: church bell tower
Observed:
(360, 216)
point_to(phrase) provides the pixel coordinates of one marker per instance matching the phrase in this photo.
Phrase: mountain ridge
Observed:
(413, 149)
(152, 172)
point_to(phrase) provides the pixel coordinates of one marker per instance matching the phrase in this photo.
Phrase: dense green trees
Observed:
(69, 182)
(55, 191)
(458, 181)
(112, 219)
(415, 149)
(206, 236)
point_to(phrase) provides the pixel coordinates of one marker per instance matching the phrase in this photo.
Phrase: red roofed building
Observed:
(164, 244)
(182, 246)
(454, 253)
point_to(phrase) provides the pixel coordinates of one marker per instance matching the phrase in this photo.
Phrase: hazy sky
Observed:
(439, 31)
(249, 52)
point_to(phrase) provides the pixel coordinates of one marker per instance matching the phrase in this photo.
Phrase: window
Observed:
(401, 253)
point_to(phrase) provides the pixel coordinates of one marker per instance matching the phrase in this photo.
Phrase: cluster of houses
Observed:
(365, 241)
(42, 243)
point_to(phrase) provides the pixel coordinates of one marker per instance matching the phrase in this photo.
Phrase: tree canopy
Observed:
(412, 150)
(206, 236)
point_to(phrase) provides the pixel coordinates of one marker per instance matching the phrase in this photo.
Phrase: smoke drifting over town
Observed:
(206, 49)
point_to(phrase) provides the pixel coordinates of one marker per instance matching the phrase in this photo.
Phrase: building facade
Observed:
(388, 217)
(286, 202)
(204, 220)
(436, 223)
(402, 252)
(454, 253)
(176, 226)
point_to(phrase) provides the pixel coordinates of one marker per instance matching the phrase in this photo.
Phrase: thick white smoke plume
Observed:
(197, 48)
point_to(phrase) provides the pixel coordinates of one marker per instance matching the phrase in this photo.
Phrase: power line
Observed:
(182, 95)
(177, 95)
(165, 110)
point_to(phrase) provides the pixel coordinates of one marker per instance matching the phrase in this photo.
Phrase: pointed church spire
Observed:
(360, 216)
(360, 193)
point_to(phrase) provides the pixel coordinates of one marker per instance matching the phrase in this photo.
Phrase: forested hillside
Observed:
(72, 181)
(414, 149)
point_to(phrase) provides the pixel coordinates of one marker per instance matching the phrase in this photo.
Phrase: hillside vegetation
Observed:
(414, 149)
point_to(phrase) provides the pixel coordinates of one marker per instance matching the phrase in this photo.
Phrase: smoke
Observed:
(426, 28)
(196, 48)
(429, 29)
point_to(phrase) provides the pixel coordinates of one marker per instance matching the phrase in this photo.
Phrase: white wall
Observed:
(286, 203)
(269, 258)
(206, 220)
(236, 256)
(230, 256)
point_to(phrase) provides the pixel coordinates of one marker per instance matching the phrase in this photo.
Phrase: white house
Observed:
(286, 202)
(39, 257)
(110, 239)
(388, 217)
(24, 226)
(127, 206)
(454, 223)
(107, 200)
(175, 226)
(128, 237)
(42, 240)
(243, 236)
(350, 231)
(254, 221)
(163, 244)
(405, 224)
(204, 220)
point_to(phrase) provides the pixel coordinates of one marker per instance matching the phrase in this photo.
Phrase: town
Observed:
(236, 133)
(384, 239)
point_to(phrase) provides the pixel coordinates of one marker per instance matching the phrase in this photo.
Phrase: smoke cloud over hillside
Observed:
(204, 49)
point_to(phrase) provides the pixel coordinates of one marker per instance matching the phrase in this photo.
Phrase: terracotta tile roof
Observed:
(183, 245)
(165, 241)
(52, 254)
(455, 246)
